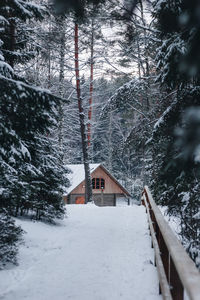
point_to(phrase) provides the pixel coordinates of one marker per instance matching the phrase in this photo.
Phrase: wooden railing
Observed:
(178, 275)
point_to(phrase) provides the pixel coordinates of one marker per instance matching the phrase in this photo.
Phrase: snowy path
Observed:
(94, 254)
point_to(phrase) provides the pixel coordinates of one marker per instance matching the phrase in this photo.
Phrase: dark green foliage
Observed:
(31, 173)
(175, 141)
(78, 6)
(182, 17)
(47, 186)
(10, 235)
(30, 167)
(17, 45)
(22, 119)
(175, 170)
(179, 58)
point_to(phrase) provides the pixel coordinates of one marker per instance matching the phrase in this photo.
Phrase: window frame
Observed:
(98, 183)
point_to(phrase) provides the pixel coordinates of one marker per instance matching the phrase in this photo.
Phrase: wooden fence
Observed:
(178, 275)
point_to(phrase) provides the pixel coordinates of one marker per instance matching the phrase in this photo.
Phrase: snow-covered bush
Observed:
(10, 235)
(137, 188)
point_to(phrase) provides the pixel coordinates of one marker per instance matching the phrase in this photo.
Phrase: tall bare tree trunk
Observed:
(61, 82)
(49, 60)
(88, 183)
(110, 143)
(91, 85)
(146, 52)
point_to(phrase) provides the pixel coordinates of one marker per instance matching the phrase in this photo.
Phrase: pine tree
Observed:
(49, 182)
(26, 113)
(175, 140)
(10, 234)
(16, 47)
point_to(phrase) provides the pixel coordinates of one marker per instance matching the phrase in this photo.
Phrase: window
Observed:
(93, 183)
(102, 183)
(98, 183)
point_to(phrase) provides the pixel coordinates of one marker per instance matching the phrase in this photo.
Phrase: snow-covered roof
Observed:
(78, 175)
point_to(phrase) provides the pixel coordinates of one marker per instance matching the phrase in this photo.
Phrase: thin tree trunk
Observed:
(88, 182)
(146, 51)
(110, 144)
(49, 60)
(139, 58)
(61, 82)
(91, 86)
(12, 40)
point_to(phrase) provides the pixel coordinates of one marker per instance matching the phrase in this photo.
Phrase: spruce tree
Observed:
(49, 182)
(175, 142)
(27, 113)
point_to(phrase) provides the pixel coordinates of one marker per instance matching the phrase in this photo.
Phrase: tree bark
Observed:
(61, 82)
(88, 182)
(49, 61)
(12, 40)
(91, 86)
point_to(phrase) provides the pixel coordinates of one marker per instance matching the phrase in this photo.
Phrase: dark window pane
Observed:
(102, 183)
(97, 183)
(93, 183)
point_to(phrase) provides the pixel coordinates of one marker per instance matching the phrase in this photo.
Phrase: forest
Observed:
(99, 81)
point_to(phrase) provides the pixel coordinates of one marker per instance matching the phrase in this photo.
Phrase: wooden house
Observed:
(106, 188)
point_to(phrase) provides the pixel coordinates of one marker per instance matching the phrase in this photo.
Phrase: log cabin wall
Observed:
(108, 199)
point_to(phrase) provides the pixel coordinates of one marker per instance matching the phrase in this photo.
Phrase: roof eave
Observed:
(108, 173)
(115, 180)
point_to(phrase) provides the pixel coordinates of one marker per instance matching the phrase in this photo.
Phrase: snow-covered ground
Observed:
(93, 254)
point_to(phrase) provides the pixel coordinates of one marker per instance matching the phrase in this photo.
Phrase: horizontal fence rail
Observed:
(176, 271)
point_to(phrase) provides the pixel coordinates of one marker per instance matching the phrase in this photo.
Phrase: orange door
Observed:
(80, 200)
